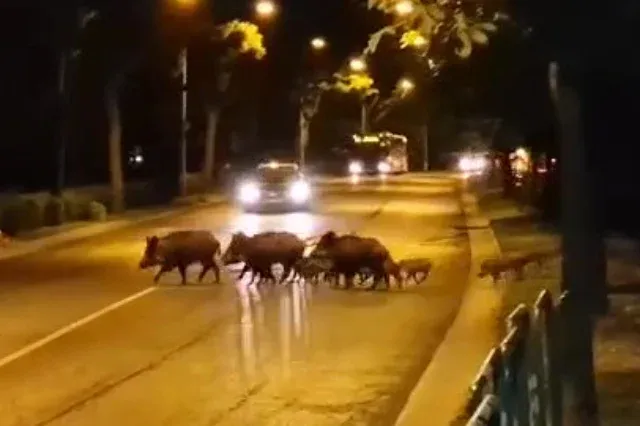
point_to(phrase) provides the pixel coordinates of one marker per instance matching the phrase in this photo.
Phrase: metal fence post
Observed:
(487, 413)
(512, 385)
(521, 321)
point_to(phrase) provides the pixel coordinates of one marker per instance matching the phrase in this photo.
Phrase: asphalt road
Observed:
(87, 339)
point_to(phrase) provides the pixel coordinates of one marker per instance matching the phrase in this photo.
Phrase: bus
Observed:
(381, 153)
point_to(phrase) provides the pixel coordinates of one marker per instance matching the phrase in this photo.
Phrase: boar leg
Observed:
(216, 271)
(163, 269)
(183, 273)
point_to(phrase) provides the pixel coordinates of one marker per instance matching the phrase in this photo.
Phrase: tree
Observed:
(309, 104)
(119, 57)
(435, 29)
(238, 38)
(374, 107)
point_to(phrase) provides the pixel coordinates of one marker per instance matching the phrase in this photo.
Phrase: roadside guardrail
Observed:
(519, 382)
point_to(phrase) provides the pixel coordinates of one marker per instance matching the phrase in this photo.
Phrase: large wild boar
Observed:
(261, 251)
(351, 254)
(180, 249)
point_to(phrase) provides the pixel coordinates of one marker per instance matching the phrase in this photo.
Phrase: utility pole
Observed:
(184, 127)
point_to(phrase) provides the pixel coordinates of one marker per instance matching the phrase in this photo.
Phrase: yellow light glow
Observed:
(404, 7)
(357, 65)
(187, 4)
(406, 85)
(265, 8)
(318, 43)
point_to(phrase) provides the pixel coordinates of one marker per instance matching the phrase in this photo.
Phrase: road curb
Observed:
(95, 229)
(441, 393)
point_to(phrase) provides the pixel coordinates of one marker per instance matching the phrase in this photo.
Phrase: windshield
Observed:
(279, 175)
(369, 152)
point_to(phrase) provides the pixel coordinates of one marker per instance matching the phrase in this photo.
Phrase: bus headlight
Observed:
(300, 192)
(355, 167)
(384, 167)
(249, 193)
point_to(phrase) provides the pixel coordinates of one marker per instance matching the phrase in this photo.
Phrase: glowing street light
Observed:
(406, 85)
(264, 8)
(318, 43)
(404, 7)
(357, 65)
(187, 4)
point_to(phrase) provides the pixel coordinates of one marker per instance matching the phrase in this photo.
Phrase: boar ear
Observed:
(148, 240)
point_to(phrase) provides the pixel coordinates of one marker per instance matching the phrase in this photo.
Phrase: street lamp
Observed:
(406, 85)
(318, 43)
(186, 3)
(264, 8)
(404, 7)
(357, 65)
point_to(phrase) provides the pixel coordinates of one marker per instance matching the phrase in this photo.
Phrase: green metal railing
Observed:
(519, 382)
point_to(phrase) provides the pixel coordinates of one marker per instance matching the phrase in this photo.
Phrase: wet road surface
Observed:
(86, 339)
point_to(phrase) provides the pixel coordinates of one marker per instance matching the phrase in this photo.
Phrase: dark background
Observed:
(506, 81)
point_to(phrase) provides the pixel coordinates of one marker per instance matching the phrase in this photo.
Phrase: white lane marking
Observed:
(26, 350)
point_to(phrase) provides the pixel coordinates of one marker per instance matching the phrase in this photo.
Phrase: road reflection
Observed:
(269, 311)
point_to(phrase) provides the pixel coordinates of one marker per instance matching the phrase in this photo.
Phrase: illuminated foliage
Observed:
(359, 83)
(434, 29)
(251, 40)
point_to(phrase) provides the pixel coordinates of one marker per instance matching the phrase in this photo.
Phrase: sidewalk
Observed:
(440, 396)
(617, 340)
(52, 236)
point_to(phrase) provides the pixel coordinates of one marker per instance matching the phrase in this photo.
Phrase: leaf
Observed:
(489, 27)
(478, 36)
(466, 49)
(251, 40)
(435, 11)
(375, 38)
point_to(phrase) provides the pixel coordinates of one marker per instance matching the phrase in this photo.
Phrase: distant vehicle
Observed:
(275, 184)
(383, 153)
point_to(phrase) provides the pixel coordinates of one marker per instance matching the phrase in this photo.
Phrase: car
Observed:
(275, 185)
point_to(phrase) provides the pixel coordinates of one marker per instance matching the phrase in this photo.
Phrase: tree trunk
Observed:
(115, 149)
(303, 138)
(213, 114)
(584, 263)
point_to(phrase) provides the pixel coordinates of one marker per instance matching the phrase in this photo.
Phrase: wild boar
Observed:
(351, 253)
(180, 249)
(261, 251)
(415, 267)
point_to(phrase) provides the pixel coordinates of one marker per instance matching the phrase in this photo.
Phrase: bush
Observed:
(54, 212)
(97, 212)
(21, 215)
(74, 209)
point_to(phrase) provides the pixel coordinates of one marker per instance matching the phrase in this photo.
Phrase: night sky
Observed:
(506, 80)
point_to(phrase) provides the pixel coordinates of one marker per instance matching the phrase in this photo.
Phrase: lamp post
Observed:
(309, 102)
(358, 65)
(184, 124)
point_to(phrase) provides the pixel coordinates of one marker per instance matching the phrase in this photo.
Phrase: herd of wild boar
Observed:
(332, 257)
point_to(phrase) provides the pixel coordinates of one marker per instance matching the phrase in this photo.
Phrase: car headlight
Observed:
(300, 191)
(355, 167)
(249, 193)
(384, 167)
(479, 164)
(465, 164)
